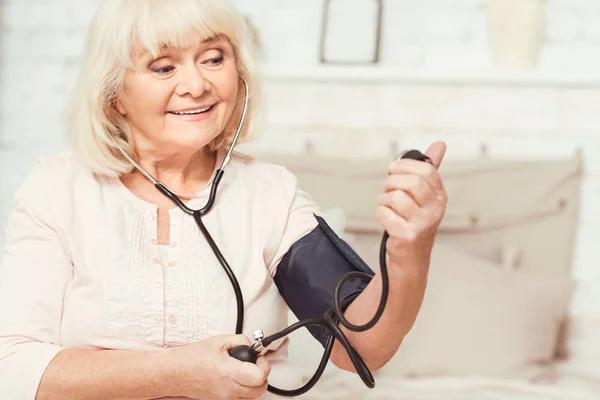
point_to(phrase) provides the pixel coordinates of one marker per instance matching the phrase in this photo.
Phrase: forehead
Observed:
(150, 26)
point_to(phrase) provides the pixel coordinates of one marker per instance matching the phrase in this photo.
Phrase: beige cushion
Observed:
(530, 206)
(479, 318)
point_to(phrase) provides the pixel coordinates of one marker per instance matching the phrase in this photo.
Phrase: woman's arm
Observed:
(411, 209)
(379, 344)
(34, 273)
(108, 375)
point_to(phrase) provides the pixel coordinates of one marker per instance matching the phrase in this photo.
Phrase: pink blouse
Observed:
(81, 267)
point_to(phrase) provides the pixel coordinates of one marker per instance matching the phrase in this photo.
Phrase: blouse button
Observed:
(154, 242)
(156, 260)
(172, 320)
(173, 244)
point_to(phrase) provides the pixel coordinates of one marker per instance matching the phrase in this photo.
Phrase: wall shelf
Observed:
(387, 74)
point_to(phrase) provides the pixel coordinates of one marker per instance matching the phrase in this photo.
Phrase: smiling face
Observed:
(181, 100)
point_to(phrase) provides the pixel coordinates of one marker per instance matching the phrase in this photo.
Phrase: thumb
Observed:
(234, 340)
(436, 153)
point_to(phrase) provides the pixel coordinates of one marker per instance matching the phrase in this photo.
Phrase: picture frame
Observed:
(351, 32)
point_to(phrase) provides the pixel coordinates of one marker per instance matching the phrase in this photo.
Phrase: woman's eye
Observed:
(163, 70)
(216, 61)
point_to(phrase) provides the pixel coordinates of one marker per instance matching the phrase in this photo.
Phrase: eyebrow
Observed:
(211, 39)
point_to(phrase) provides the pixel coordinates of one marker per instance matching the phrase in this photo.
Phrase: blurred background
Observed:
(512, 86)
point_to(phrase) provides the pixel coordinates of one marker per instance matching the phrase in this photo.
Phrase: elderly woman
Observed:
(108, 289)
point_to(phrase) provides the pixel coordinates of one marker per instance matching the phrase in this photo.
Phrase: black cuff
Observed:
(309, 272)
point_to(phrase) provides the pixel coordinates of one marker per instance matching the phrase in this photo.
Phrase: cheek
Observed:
(227, 85)
(143, 97)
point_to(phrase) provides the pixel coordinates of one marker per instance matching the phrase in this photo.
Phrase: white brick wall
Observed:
(431, 33)
(41, 43)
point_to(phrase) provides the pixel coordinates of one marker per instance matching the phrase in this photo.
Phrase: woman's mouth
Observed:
(193, 115)
(192, 112)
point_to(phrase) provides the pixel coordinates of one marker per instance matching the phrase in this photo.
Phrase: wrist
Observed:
(409, 268)
(173, 372)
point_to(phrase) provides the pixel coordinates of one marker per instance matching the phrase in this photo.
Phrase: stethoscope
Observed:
(331, 318)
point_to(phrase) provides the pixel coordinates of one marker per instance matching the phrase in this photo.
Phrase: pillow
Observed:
(479, 318)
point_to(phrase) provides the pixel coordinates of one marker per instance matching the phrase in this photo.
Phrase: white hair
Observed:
(121, 26)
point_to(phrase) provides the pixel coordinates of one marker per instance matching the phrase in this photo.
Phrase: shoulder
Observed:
(261, 169)
(60, 167)
(273, 184)
(264, 174)
(48, 168)
(49, 177)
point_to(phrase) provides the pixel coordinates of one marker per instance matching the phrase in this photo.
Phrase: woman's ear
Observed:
(119, 105)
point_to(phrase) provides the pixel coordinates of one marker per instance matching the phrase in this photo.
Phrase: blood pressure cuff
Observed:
(309, 272)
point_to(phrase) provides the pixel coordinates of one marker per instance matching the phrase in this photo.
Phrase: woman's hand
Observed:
(411, 208)
(204, 370)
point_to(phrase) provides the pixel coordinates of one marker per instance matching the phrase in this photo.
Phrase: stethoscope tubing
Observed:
(332, 317)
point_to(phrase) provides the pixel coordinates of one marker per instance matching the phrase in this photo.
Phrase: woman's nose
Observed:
(192, 81)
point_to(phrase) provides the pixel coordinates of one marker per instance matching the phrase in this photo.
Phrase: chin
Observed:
(192, 136)
(191, 144)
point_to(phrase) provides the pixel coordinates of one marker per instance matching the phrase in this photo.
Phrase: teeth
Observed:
(198, 111)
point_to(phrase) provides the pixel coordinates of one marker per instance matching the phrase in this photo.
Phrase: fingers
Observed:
(251, 375)
(252, 392)
(415, 186)
(264, 366)
(235, 391)
(400, 203)
(245, 373)
(424, 170)
(235, 340)
(392, 223)
(436, 153)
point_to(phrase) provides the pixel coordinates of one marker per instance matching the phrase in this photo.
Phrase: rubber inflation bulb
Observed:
(243, 353)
